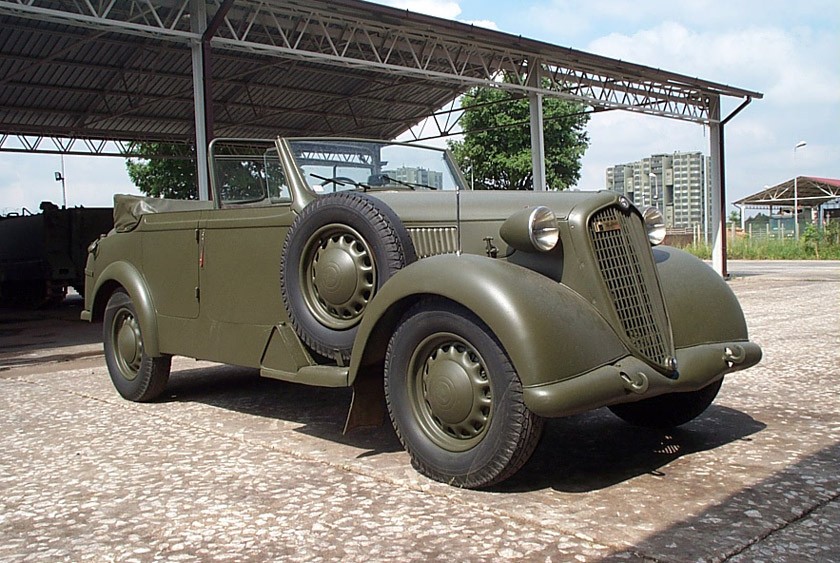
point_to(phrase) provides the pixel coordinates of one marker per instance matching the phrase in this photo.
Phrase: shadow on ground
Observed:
(577, 454)
(596, 450)
(38, 336)
(320, 410)
(751, 524)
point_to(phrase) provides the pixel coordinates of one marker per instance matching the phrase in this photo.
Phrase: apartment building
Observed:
(677, 184)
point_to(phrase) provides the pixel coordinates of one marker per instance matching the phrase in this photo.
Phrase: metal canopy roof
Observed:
(810, 192)
(123, 70)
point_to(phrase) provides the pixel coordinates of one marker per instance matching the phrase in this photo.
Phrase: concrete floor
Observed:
(232, 466)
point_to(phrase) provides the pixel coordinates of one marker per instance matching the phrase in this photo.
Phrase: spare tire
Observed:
(338, 253)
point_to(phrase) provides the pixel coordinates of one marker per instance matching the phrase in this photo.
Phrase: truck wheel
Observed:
(136, 376)
(455, 399)
(338, 253)
(668, 411)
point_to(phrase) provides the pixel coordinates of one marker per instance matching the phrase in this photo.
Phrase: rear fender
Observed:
(127, 276)
(548, 331)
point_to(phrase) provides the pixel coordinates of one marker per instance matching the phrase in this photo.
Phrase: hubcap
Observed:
(128, 344)
(340, 276)
(451, 392)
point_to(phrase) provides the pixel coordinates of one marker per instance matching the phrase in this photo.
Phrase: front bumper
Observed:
(630, 379)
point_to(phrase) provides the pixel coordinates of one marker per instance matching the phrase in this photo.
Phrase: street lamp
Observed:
(799, 145)
(59, 177)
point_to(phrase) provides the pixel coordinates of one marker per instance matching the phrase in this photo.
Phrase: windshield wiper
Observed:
(325, 179)
(411, 185)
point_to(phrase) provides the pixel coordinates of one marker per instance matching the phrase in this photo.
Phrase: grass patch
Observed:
(743, 248)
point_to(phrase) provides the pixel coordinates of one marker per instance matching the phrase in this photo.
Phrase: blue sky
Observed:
(789, 51)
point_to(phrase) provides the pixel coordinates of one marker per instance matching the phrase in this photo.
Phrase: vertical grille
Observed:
(621, 249)
(431, 241)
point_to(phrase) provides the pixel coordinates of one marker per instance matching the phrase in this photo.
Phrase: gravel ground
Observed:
(230, 466)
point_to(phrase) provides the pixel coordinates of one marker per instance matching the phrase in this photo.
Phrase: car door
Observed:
(240, 248)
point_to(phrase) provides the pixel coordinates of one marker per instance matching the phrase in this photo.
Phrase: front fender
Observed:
(549, 332)
(126, 275)
(702, 307)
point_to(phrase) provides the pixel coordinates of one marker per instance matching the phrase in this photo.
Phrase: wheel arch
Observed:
(548, 331)
(122, 275)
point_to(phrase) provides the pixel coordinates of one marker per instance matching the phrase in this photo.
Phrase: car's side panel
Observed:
(170, 261)
(548, 330)
(238, 265)
(701, 305)
(241, 251)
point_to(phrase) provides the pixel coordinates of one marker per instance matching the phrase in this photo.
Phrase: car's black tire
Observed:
(670, 410)
(136, 375)
(338, 253)
(455, 399)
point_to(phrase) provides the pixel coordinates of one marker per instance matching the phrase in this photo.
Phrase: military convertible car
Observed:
(470, 315)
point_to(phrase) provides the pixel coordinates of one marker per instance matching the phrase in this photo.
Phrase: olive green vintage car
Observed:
(471, 315)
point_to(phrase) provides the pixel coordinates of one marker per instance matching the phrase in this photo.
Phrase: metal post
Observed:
(63, 184)
(537, 136)
(198, 24)
(717, 188)
(799, 145)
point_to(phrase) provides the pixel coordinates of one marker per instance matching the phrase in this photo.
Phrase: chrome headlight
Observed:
(531, 230)
(655, 225)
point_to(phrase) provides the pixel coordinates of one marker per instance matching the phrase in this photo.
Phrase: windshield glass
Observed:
(333, 165)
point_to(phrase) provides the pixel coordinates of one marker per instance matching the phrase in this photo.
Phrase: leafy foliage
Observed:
(169, 172)
(496, 150)
(173, 176)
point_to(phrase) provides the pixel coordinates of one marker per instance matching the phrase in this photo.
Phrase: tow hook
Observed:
(636, 383)
(734, 354)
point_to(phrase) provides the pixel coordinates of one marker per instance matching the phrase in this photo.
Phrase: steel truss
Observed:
(80, 147)
(400, 58)
(337, 34)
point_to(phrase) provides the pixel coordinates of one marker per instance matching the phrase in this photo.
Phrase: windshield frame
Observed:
(450, 168)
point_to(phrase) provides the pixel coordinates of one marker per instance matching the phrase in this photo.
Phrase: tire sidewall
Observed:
(337, 209)
(454, 467)
(131, 389)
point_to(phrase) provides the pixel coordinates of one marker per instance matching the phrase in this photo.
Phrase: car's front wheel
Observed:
(455, 399)
(670, 410)
(136, 375)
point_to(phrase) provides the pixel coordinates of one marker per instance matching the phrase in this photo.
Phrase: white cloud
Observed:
(483, 23)
(438, 8)
(789, 67)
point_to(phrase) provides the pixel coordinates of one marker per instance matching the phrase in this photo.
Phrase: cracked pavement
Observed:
(230, 466)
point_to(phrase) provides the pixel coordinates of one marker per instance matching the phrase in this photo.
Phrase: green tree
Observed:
(496, 150)
(735, 217)
(166, 170)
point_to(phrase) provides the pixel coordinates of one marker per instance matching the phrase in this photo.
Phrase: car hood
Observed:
(433, 206)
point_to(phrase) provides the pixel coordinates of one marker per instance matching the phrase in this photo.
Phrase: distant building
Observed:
(422, 176)
(677, 184)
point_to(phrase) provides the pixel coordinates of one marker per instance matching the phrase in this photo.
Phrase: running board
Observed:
(320, 376)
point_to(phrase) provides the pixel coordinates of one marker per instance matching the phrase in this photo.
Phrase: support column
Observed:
(537, 136)
(718, 188)
(198, 25)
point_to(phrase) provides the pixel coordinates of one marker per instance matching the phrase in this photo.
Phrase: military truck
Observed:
(42, 254)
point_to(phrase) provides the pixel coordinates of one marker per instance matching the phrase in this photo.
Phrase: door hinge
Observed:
(198, 294)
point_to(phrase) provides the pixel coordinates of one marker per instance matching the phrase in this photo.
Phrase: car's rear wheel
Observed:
(670, 410)
(339, 252)
(455, 399)
(136, 375)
